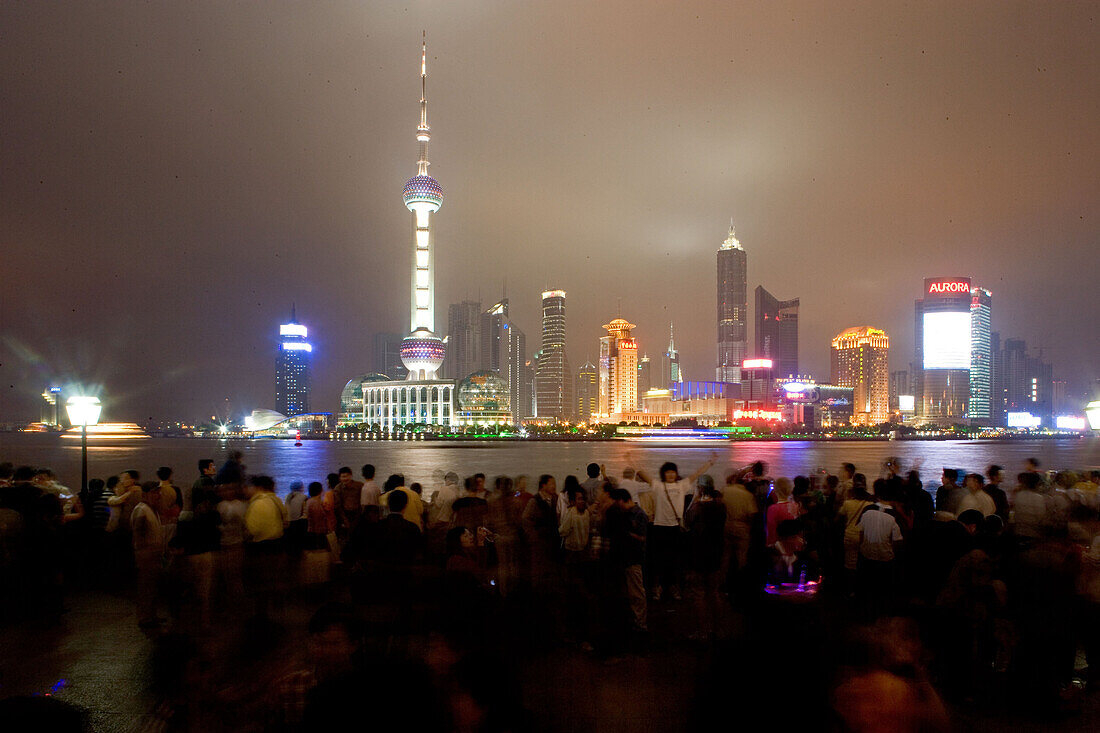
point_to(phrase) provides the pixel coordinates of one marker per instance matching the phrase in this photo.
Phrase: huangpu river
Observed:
(419, 461)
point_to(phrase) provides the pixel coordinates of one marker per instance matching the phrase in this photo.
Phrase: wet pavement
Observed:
(98, 659)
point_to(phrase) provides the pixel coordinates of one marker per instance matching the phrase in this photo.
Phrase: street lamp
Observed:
(83, 411)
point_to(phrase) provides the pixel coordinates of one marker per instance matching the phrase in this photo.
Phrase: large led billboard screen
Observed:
(946, 340)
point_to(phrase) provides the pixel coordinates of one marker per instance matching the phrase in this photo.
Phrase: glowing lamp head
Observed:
(83, 410)
(422, 353)
(423, 193)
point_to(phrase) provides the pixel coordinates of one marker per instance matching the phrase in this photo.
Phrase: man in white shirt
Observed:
(148, 538)
(441, 511)
(879, 535)
(975, 497)
(632, 485)
(670, 495)
(370, 494)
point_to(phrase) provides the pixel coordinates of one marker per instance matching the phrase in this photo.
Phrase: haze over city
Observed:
(175, 177)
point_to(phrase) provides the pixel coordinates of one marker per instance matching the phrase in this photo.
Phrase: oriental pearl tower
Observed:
(422, 351)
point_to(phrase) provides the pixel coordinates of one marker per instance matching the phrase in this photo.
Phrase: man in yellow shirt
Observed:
(265, 519)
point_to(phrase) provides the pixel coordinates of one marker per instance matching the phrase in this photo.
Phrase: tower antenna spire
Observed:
(423, 131)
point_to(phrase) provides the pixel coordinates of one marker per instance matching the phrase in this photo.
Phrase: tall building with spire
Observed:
(422, 351)
(292, 368)
(618, 379)
(733, 309)
(645, 378)
(553, 378)
(671, 373)
(422, 399)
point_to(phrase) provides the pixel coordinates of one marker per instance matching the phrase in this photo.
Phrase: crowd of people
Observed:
(1001, 576)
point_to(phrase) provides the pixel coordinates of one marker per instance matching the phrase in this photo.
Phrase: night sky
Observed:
(174, 175)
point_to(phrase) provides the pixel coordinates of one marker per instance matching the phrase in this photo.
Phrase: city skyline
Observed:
(225, 204)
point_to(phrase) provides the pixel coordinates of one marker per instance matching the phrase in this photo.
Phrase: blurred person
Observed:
(171, 501)
(741, 513)
(705, 520)
(347, 494)
(671, 495)
(370, 494)
(879, 538)
(147, 534)
(265, 523)
(949, 494)
(318, 525)
(232, 471)
(844, 482)
(205, 481)
(471, 508)
(996, 476)
(333, 638)
(626, 529)
(976, 496)
(540, 528)
(1031, 510)
(781, 510)
(412, 509)
(848, 516)
(200, 539)
(788, 552)
(440, 512)
(297, 520)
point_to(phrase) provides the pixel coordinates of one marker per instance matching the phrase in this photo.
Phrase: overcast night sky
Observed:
(174, 175)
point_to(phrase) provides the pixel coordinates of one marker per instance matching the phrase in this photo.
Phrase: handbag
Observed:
(679, 519)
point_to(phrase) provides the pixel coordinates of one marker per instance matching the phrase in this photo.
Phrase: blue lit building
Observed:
(292, 370)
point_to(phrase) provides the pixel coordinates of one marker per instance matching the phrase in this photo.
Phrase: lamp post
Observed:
(83, 411)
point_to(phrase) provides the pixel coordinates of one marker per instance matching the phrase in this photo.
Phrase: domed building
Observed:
(482, 399)
(351, 399)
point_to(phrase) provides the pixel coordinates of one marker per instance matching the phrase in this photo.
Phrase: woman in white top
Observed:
(670, 498)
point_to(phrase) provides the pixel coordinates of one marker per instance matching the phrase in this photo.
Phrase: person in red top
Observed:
(319, 521)
(782, 510)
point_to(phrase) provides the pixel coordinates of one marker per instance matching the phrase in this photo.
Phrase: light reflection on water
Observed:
(314, 459)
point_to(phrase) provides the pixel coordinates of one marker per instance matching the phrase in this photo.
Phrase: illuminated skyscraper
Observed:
(618, 369)
(980, 407)
(422, 351)
(292, 368)
(777, 332)
(645, 378)
(671, 374)
(553, 378)
(587, 391)
(860, 361)
(733, 309)
(941, 369)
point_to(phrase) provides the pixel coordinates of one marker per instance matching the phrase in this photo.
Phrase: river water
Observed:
(418, 461)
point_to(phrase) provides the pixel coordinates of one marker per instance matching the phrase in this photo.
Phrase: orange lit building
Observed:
(618, 379)
(859, 361)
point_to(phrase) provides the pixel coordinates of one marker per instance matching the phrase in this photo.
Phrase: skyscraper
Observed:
(645, 378)
(733, 309)
(980, 406)
(671, 373)
(777, 332)
(618, 382)
(292, 368)
(422, 351)
(464, 337)
(899, 385)
(861, 361)
(587, 391)
(942, 345)
(504, 352)
(1024, 383)
(553, 378)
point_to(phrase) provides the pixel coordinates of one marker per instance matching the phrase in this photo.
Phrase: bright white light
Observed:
(297, 346)
(907, 402)
(795, 387)
(1092, 412)
(422, 278)
(756, 364)
(83, 410)
(947, 340)
(1069, 422)
(292, 329)
(553, 294)
(1022, 420)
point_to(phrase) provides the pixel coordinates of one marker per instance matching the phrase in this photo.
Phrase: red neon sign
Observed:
(947, 287)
